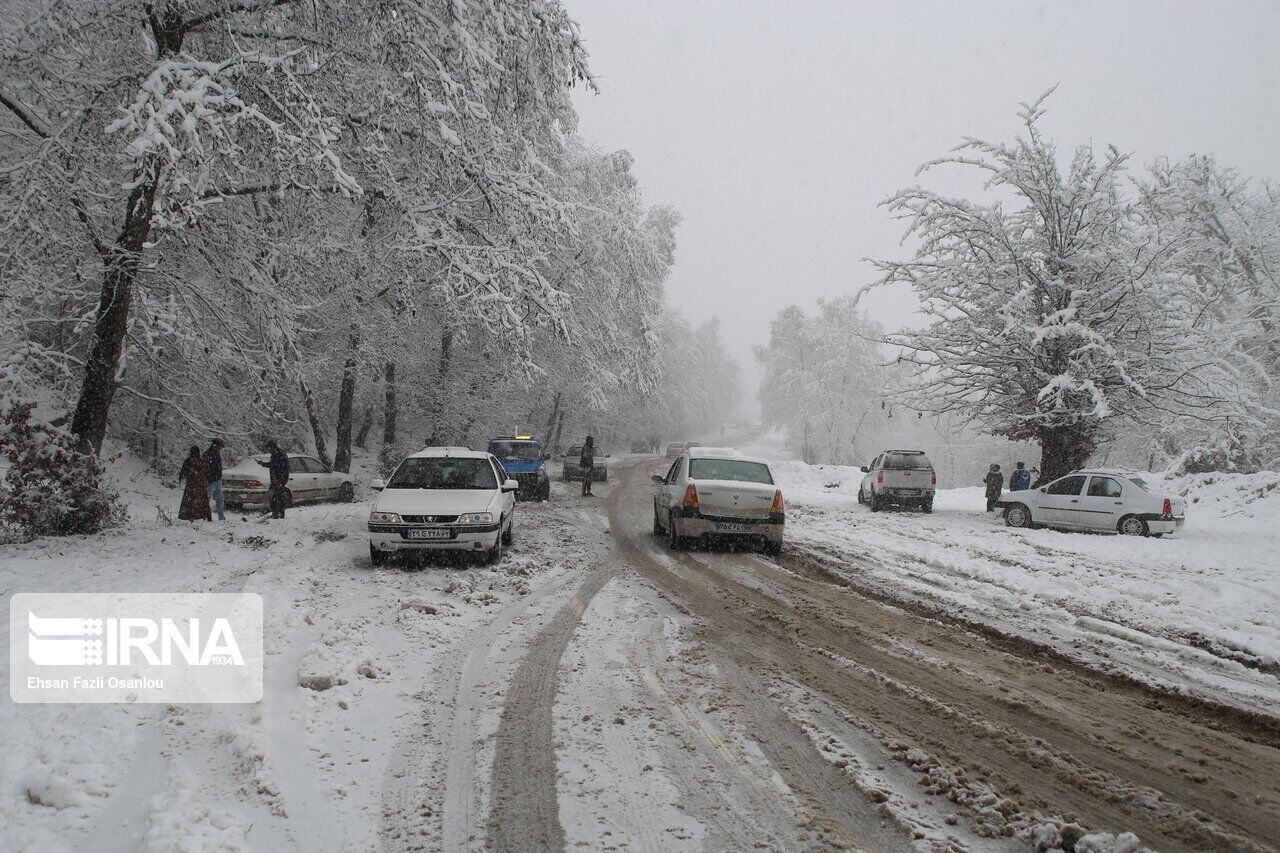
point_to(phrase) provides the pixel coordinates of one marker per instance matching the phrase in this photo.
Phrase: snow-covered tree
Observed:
(1221, 232)
(824, 382)
(1052, 313)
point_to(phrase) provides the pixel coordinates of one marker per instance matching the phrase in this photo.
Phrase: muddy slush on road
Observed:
(769, 703)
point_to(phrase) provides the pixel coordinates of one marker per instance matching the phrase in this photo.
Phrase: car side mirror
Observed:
(377, 485)
(657, 478)
(511, 486)
(866, 470)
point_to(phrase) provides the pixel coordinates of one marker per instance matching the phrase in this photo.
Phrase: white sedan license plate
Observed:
(429, 533)
(726, 527)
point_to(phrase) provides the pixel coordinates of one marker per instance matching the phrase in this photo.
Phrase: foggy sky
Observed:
(777, 128)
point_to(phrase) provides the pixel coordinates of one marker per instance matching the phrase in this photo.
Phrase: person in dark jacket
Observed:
(1020, 479)
(995, 484)
(278, 469)
(195, 497)
(213, 458)
(588, 462)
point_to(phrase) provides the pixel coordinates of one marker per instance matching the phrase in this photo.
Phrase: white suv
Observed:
(444, 498)
(718, 492)
(904, 477)
(1097, 499)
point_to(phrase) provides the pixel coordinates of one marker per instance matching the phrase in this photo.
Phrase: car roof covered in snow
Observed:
(723, 453)
(457, 452)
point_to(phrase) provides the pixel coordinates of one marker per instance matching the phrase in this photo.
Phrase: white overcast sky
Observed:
(776, 128)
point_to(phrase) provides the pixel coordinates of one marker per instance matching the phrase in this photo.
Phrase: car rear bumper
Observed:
(693, 524)
(1158, 523)
(244, 497)
(396, 537)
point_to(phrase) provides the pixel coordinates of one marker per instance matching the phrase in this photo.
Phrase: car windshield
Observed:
(576, 451)
(442, 472)
(516, 451)
(1140, 483)
(906, 461)
(729, 469)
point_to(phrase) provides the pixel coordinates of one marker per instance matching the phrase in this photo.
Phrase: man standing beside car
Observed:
(994, 482)
(213, 458)
(588, 462)
(278, 469)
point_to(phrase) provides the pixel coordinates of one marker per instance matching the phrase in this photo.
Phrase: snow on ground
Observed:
(1197, 611)
(347, 648)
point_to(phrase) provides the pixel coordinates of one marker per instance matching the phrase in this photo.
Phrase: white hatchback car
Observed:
(1098, 499)
(444, 498)
(718, 492)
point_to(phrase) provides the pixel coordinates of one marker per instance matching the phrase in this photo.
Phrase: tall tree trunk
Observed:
(555, 440)
(366, 427)
(1063, 450)
(551, 421)
(390, 413)
(346, 399)
(442, 378)
(317, 431)
(89, 423)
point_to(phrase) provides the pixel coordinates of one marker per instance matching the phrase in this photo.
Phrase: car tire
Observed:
(1131, 525)
(874, 502)
(494, 555)
(861, 498)
(1017, 515)
(657, 523)
(509, 535)
(378, 558)
(772, 548)
(346, 493)
(674, 541)
(288, 498)
(927, 506)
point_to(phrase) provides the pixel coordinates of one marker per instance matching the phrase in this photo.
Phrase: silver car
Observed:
(718, 493)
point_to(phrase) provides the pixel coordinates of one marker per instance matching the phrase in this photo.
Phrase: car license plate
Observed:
(429, 533)
(908, 491)
(727, 527)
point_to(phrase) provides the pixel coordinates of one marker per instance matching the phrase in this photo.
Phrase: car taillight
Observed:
(253, 484)
(1168, 507)
(690, 497)
(777, 507)
(933, 479)
(879, 478)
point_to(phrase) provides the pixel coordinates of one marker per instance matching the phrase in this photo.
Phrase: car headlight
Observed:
(476, 518)
(384, 518)
(542, 473)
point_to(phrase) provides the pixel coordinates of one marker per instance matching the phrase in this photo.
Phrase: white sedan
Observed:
(309, 480)
(718, 493)
(1098, 500)
(444, 499)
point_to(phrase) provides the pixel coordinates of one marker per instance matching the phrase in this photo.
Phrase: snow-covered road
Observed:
(596, 691)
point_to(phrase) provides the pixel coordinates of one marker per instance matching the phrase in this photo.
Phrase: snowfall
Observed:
(364, 664)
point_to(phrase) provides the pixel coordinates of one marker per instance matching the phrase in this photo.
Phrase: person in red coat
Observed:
(195, 497)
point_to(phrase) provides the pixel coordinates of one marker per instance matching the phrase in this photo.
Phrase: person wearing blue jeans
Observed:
(213, 456)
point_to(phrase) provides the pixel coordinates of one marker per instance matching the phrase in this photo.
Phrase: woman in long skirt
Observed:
(195, 497)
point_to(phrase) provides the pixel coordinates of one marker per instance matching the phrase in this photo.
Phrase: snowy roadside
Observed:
(1197, 612)
(350, 651)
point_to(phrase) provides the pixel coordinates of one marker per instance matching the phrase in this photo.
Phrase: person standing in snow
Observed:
(278, 469)
(1020, 479)
(195, 497)
(213, 458)
(995, 484)
(588, 462)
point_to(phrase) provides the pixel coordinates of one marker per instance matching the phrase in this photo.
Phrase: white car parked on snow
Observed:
(444, 498)
(1099, 500)
(309, 480)
(718, 492)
